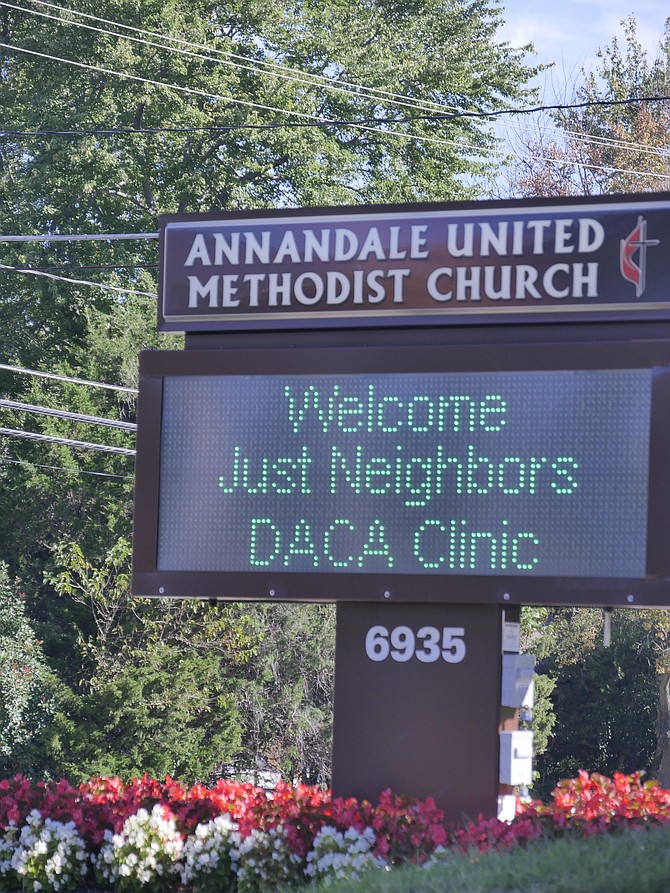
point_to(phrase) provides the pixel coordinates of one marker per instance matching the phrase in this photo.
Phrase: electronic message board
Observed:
(483, 473)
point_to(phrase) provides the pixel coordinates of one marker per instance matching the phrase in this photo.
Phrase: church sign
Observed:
(410, 265)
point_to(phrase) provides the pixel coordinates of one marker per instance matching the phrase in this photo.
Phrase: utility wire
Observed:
(96, 267)
(282, 71)
(326, 121)
(89, 237)
(64, 414)
(327, 83)
(76, 444)
(83, 381)
(192, 91)
(342, 122)
(323, 83)
(115, 288)
(104, 474)
(591, 139)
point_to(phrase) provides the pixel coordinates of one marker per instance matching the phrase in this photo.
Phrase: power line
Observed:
(104, 474)
(192, 91)
(88, 237)
(303, 78)
(586, 138)
(537, 131)
(282, 71)
(82, 381)
(327, 121)
(115, 288)
(343, 122)
(97, 267)
(64, 414)
(76, 444)
(325, 82)
(397, 99)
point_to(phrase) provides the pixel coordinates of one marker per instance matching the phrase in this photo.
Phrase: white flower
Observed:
(148, 847)
(341, 855)
(211, 852)
(48, 854)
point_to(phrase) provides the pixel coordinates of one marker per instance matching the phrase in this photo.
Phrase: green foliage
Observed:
(603, 699)
(163, 712)
(286, 697)
(151, 685)
(26, 684)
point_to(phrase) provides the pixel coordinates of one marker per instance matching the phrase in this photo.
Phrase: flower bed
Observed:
(155, 836)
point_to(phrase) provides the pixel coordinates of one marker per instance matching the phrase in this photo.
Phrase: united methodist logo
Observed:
(632, 269)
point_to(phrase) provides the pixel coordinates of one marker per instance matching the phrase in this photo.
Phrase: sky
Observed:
(569, 32)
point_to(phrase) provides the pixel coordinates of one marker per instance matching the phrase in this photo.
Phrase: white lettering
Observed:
(588, 278)
(229, 289)
(231, 251)
(337, 280)
(256, 250)
(254, 280)
(466, 249)
(417, 241)
(346, 244)
(278, 290)
(538, 228)
(398, 277)
(548, 281)
(197, 289)
(395, 252)
(563, 237)
(467, 280)
(432, 284)
(313, 246)
(198, 252)
(496, 239)
(299, 291)
(372, 245)
(287, 248)
(526, 277)
(591, 234)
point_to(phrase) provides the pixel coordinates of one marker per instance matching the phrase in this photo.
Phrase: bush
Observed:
(237, 838)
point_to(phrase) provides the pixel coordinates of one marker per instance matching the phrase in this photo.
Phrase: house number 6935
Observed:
(428, 644)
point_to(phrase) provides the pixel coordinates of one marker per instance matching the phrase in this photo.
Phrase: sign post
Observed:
(417, 704)
(426, 414)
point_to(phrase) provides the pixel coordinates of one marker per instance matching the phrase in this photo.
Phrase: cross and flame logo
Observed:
(636, 243)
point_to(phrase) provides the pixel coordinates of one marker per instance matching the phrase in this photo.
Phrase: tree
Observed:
(27, 686)
(616, 141)
(149, 685)
(188, 107)
(286, 699)
(231, 128)
(604, 699)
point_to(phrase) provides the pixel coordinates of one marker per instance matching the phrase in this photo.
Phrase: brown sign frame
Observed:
(149, 580)
(405, 271)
